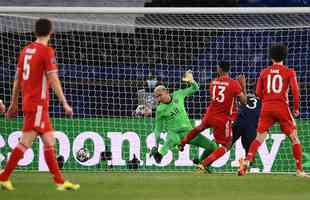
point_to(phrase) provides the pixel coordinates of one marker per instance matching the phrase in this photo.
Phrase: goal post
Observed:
(110, 59)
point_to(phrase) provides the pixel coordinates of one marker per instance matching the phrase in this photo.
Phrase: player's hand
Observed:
(12, 111)
(296, 113)
(188, 76)
(242, 80)
(68, 110)
(2, 107)
(181, 147)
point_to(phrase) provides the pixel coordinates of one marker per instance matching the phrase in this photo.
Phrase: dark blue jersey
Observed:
(246, 123)
(248, 115)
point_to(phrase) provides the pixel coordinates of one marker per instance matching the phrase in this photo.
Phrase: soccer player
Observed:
(2, 107)
(272, 88)
(172, 117)
(246, 122)
(223, 91)
(36, 72)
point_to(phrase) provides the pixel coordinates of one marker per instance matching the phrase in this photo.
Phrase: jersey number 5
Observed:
(220, 96)
(26, 68)
(274, 83)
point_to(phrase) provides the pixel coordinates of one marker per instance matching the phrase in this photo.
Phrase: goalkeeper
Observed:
(172, 118)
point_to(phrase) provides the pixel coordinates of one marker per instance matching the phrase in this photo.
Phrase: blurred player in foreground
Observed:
(36, 72)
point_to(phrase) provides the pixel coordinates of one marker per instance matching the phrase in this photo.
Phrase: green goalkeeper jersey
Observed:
(172, 117)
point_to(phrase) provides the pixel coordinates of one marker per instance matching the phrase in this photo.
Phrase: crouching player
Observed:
(172, 118)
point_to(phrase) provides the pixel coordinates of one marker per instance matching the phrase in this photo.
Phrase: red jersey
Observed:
(273, 86)
(35, 62)
(223, 91)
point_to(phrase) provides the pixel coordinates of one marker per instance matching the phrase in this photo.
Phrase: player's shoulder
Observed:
(50, 48)
(291, 71)
(266, 70)
(176, 93)
(45, 48)
(234, 83)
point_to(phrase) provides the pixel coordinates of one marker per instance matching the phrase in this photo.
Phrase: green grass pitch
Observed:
(158, 186)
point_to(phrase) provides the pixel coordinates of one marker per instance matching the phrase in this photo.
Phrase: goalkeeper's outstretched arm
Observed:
(194, 87)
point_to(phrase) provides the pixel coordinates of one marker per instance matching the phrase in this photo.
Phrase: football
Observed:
(82, 155)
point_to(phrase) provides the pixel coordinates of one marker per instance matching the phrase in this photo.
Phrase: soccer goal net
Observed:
(110, 60)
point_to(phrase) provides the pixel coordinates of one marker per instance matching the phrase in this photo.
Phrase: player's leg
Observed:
(247, 137)
(297, 151)
(288, 126)
(50, 157)
(48, 140)
(51, 161)
(208, 145)
(17, 154)
(223, 135)
(195, 131)
(236, 133)
(266, 121)
(172, 140)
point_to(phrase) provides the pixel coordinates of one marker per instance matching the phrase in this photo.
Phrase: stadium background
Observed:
(102, 71)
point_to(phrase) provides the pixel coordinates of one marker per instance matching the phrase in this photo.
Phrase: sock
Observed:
(50, 158)
(253, 149)
(11, 164)
(297, 152)
(216, 154)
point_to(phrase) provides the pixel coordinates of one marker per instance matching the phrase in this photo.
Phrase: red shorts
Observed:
(280, 114)
(221, 125)
(38, 121)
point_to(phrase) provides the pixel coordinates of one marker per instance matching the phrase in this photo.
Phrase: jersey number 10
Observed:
(274, 83)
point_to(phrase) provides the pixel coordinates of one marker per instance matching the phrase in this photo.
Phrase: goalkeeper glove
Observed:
(188, 76)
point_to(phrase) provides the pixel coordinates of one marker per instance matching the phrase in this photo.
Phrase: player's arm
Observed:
(2, 106)
(53, 79)
(243, 94)
(243, 98)
(158, 126)
(13, 108)
(295, 92)
(194, 87)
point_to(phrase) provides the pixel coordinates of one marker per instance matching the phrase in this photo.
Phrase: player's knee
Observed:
(48, 140)
(49, 143)
(27, 139)
(261, 137)
(26, 143)
(294, 138)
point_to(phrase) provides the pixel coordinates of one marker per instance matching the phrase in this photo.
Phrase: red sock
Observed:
(50, 158)
(297, 152)
(253, 149)
(11, 164)
(216, 154)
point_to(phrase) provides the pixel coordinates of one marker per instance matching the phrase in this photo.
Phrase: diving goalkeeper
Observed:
(171, 117)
